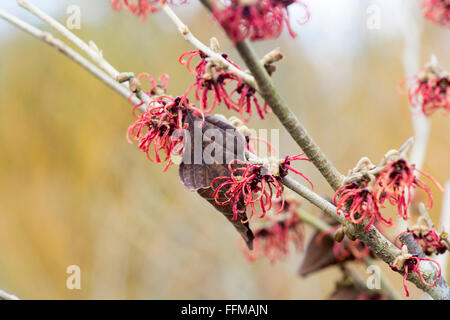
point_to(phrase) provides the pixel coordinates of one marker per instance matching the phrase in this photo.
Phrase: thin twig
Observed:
(189, 37)
(90, 50)
(49, 39)
(313, 221)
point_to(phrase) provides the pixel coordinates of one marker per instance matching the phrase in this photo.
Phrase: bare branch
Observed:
(90, 50)
(70, 53)
(189, 37)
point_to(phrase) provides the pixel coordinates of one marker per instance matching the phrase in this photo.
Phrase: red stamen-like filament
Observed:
(358, 203)
(141, 8)
(428, 240)
(430, 90)
(437, 11)
(256, 20)
(213, 86)
(253, 185)
(396, 183)
(273, 241)
(412, 265)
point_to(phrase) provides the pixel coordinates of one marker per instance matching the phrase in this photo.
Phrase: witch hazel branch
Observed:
(253, 186)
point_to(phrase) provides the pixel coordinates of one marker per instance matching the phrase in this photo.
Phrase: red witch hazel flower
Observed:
(155, 128)
(141, 8)
(426, 237)
(357, 203)
(437, 11)
(158, 89)
(254, 184)
(254, 19)
(158, 128)
(273, 241)
(409, 263)
(212, 86)
(431, 89)
(396, 182)
(209, 79)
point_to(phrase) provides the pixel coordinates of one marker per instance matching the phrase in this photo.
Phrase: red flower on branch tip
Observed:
(357, 203)
(437, 11)
(254, 19)
(273, 241)
(409, 263)
(141, 8)
(211, 87)
(253, 184)
(396, 182)
(285, 167)
(430, 90)
(156, 128)
(426, 237)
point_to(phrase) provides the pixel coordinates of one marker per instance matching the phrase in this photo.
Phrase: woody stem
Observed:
(287, 118)
(378, 243)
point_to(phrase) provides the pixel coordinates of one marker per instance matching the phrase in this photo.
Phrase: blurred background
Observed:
(74, 192)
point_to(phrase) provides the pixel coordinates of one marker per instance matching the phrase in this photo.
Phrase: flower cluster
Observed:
(395, 183)
(141, 8)
(273, 241)
(408, 263)
(212, 87)
(430, 90)
(254, 19)
(427, 238)
(437, 11)
(397, 180)
(158, 128)
(430, 242)
(254, 184)
(357, 202)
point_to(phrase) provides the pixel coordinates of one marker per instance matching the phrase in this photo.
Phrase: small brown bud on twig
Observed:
(273, 56)
(339, 235)
(269, 59)
(124, 77)
(214, 44)
(135, 85)
(349, 235)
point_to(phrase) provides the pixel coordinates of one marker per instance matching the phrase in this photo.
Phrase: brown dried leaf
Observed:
(199, 176)
(231, 145)
(318, 255)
